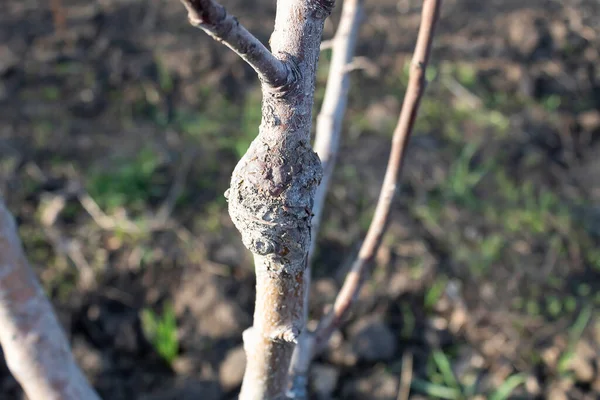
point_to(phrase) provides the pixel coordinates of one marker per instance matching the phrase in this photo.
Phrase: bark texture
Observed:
(271, 198)
(35, 347)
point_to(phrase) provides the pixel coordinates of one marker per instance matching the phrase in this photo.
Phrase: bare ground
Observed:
(491, 262)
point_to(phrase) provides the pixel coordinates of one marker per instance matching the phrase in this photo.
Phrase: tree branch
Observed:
(34, 344)
(311, 343)
(410, 106)
(327, 143)
(271, 196)
(211, 17)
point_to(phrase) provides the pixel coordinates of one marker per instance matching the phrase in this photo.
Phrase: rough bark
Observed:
(271, 198)
(35, 347)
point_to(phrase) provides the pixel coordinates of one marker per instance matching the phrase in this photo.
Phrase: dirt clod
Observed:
(232, 369)
(324, 379)
(372, 340)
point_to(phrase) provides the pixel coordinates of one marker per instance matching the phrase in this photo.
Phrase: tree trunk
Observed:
(271, 198)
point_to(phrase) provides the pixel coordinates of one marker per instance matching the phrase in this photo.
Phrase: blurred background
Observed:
(120, 125)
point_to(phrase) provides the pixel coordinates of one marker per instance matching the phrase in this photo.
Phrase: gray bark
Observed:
(271, 198)
(35, 347)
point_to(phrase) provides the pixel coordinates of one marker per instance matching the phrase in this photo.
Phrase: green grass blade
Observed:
(508, 387)
(443, 365)
(574, 335)
(434, 390)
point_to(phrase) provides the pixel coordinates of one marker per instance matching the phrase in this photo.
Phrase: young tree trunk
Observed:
(271, 198)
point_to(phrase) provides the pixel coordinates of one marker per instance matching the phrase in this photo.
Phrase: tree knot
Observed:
(271, 198)
(294, 76)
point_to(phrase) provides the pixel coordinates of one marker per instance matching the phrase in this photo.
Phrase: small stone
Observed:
(523, 34)
(340, 352)
(324, 380)
(559, 33)
(582, 362)
(556, 393)
(372, 340)
(584, 370)
(88, 357)
(378, 385)
(550, 356)
(8, 59)
(589, 120)
(184, 365)
(231, 372)
(532, 385)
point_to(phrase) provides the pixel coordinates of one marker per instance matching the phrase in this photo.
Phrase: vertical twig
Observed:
(327, 143)
(329, 121)
(314, 342)
(34, 344)
(410, 106)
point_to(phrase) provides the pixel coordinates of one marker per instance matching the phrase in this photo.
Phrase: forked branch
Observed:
(410, 106)
(312, 343)
(224, 27)
(34, 344)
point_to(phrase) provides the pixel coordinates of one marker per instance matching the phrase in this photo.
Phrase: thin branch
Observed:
(35, 347)
(329, 121)
(412, 98)
(211, 17)
(327, 143)
(311, 343)
(271, 197)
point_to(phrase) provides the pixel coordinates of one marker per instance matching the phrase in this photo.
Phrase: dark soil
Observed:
(491, 260)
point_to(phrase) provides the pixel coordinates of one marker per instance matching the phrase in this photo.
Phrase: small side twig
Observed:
(365, 64)
(223, 27)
